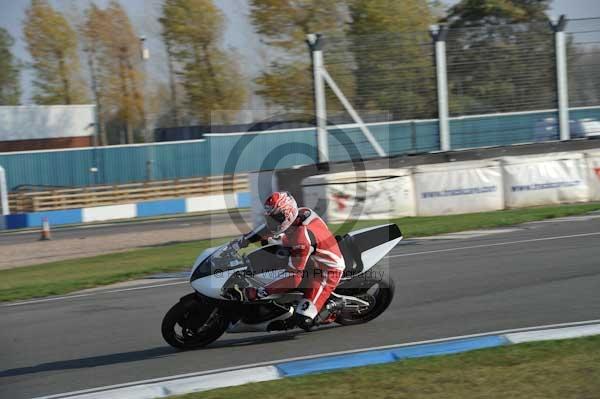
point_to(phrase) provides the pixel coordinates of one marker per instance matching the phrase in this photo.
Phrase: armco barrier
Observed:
(458, 187)
(371, 194)
(545, 179)
(593, 173)
(128, 211)
(461, 187)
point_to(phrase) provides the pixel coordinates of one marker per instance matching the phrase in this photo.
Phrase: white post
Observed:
(439, 36)
(3, 193)
(315, 44)
(561, 77)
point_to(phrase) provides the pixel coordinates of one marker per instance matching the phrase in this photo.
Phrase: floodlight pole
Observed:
(315, 44)
(561, 77)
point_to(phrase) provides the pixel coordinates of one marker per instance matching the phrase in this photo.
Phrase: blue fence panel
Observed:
(396, 138)
(499, 130)
(251, 151)
(233, 153)
(167, 161)
(586, 113)
(56, 168)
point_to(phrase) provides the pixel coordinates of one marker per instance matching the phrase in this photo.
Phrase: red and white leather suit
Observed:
(310, 244)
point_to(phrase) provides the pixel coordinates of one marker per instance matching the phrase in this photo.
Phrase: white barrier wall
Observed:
(109, 212)
(593, 171)
(458, 187)
(545, 179)
(210, 203)
(373, 194)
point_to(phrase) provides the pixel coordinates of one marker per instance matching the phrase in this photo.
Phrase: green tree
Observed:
(393, 52)
(283, 25)
(52, 43)
(116, 70)
(10, 87)
(470, 13)
(500, 56)
(210, 78)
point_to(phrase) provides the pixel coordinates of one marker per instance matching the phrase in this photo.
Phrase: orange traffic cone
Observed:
(45, 230)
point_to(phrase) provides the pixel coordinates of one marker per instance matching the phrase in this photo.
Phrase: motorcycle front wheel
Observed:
(193, 324)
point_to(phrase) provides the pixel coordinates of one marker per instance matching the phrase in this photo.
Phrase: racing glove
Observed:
(238, 243)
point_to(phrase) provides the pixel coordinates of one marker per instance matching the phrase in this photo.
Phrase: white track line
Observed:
(389, 256)
(498, 244)
(272, 362)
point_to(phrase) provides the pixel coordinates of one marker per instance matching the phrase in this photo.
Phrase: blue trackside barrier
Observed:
(34, 219)
(120, 211)
(243, 200)
(160, 207)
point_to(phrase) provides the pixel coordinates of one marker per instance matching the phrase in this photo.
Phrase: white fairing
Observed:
(205, 254)
(372, 256)
(211, 286)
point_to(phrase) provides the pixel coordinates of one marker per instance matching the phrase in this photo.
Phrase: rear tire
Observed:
(193, 324)
(379, 294)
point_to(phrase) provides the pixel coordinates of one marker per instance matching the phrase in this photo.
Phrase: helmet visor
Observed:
(275, 222)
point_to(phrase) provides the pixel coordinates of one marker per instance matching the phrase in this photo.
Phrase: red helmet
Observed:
(280, 211)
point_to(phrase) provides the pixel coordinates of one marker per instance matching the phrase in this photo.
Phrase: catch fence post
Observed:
(439, 34)
(315, 44)
(561, 77)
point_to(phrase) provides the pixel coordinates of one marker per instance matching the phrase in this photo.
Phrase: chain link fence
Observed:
(501, 84)
(583, 58)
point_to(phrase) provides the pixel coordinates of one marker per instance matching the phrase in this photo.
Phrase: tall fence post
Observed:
(315, 44)
(439, 34)
(561, 77)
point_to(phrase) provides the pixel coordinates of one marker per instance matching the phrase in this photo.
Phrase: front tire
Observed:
(379, 294)
(193, 323)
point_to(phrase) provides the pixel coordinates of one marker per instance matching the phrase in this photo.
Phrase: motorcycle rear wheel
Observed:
(379, 294)
(193, 324)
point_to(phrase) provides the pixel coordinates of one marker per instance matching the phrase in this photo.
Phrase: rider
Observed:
(307, 237)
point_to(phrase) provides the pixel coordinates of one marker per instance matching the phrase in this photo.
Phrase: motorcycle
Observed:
(220, 275)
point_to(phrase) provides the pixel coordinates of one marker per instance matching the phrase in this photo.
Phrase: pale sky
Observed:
(239, 34)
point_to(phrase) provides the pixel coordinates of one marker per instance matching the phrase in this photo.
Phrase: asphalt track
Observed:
(542, 273)
(132, 227)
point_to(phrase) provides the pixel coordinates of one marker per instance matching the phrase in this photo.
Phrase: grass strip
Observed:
(540, 370)
(57, 278)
